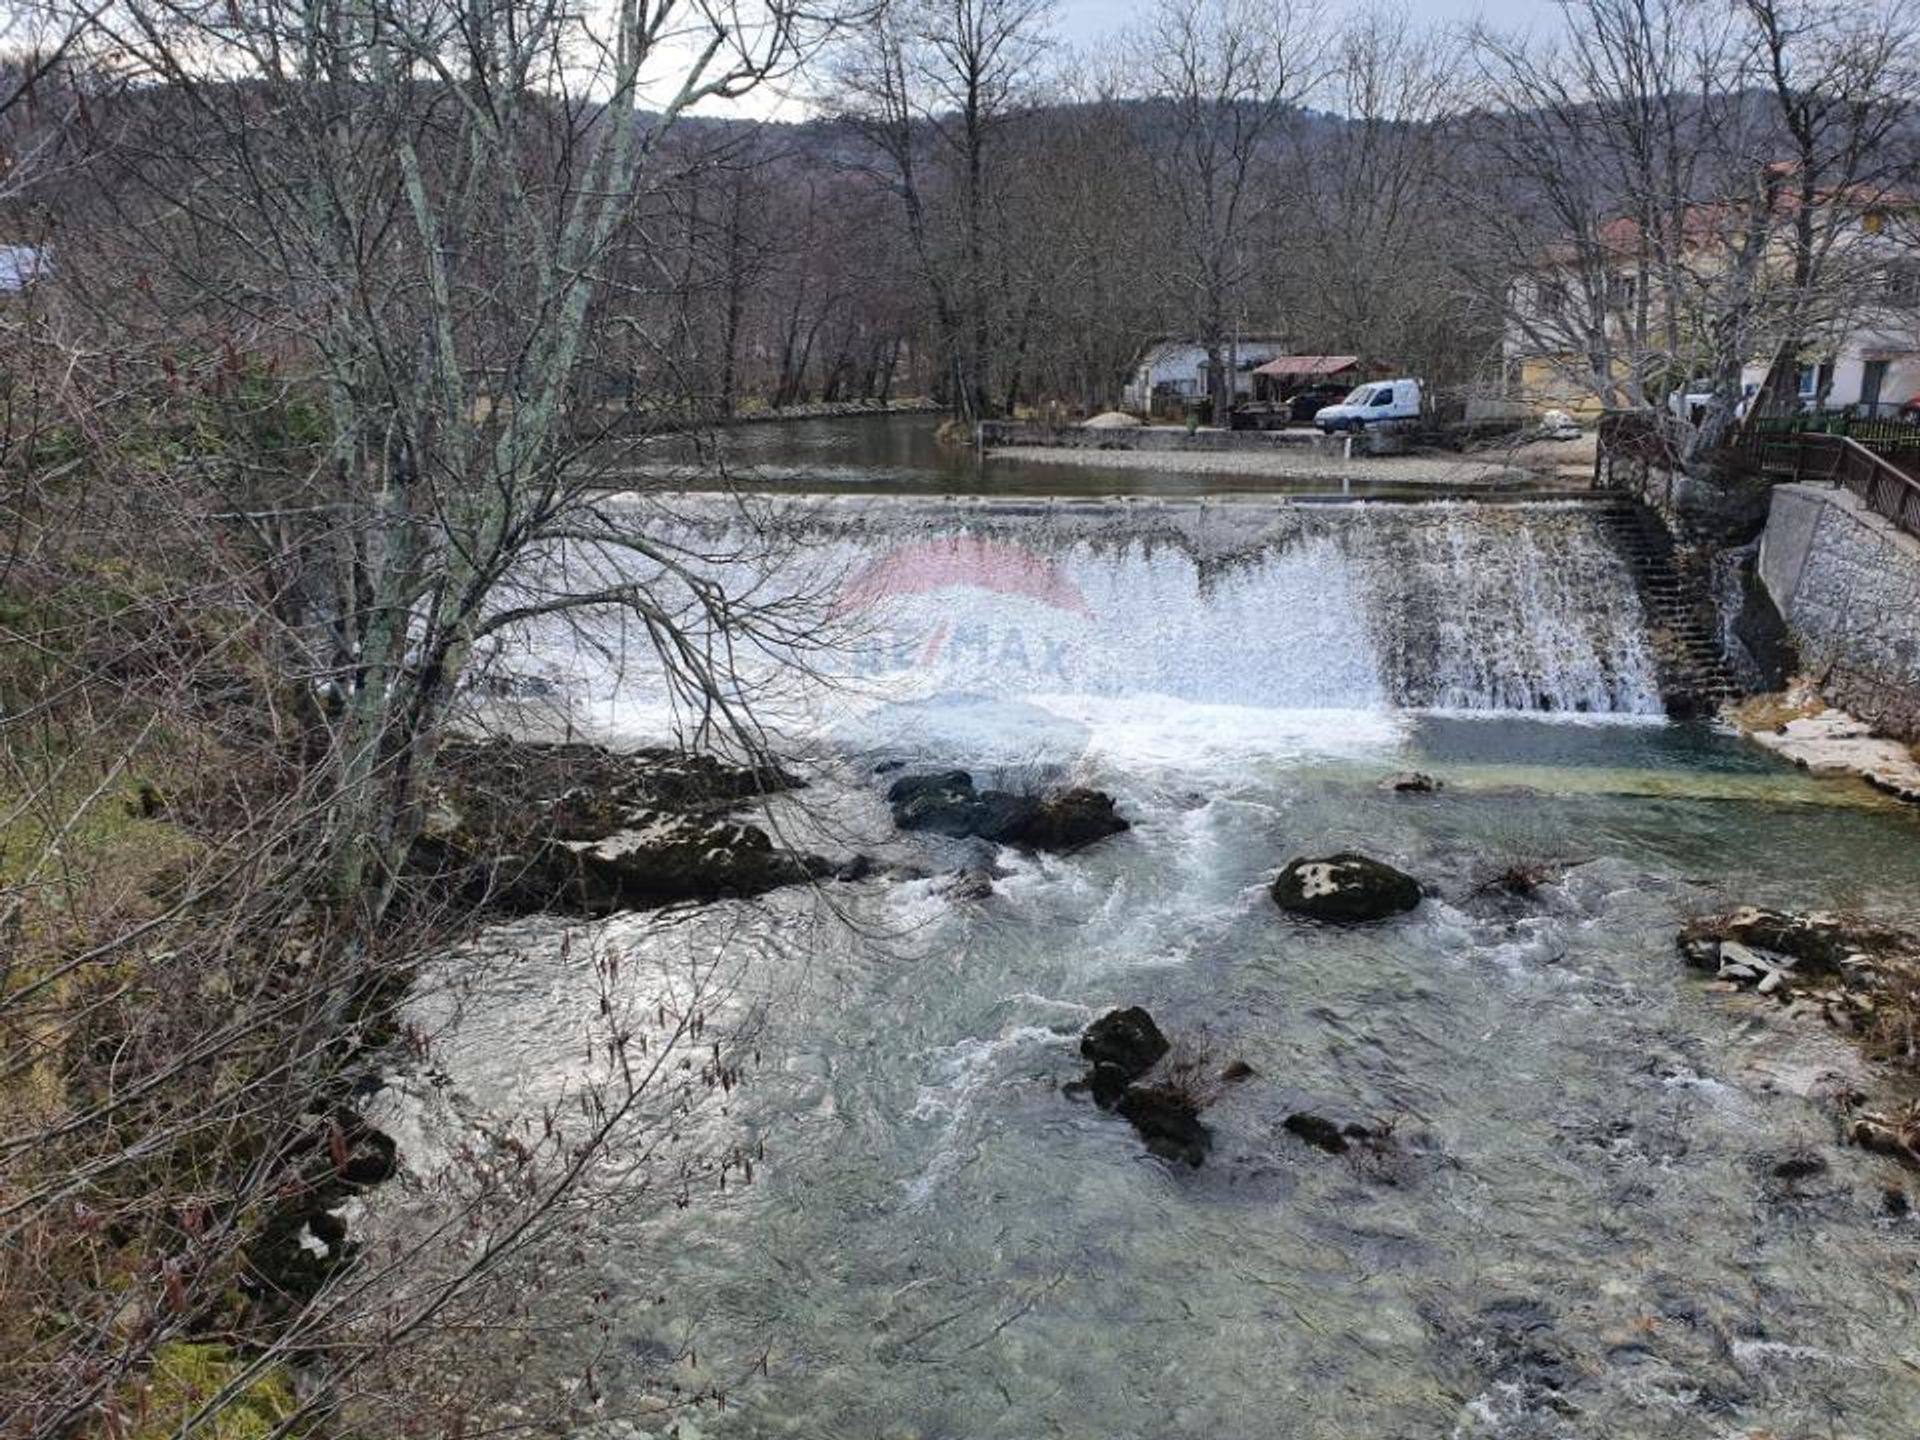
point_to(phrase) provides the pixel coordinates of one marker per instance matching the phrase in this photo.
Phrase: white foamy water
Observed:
(1284, 630)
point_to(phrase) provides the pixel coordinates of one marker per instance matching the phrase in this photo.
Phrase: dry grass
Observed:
(1799, 701)
(1190, 1072)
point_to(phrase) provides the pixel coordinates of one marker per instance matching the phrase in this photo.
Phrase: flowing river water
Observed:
(1581, 1232)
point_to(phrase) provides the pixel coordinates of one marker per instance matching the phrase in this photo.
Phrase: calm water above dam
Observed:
(1582, 1233)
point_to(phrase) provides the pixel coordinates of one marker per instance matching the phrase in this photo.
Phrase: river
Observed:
(1581, 1231)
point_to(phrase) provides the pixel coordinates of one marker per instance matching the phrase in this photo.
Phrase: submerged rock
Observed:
(1410, 782)
(1124, 1047)
(1168, 1121)
(1346, 888)
(969, 882)
(948, 803)
(1332, 1136)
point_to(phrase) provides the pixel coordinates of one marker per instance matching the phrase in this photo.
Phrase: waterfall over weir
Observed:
(1449, 605)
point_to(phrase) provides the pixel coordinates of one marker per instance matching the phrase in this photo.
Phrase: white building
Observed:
(19, 266)
(1178, 368)
(1873, 368)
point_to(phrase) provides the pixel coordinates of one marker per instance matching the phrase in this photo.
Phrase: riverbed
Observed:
(1616, 1204)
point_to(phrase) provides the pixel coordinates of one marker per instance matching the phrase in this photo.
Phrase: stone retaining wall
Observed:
(1847, 583)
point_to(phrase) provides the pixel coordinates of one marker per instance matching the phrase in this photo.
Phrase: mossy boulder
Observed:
(1347, 888)
(580, 829)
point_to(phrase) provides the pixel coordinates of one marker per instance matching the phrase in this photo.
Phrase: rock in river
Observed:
(526, 827)
(1345, 888)
(1410, 782)
(1167, 1121)
(1126, 1039)
(948, 803)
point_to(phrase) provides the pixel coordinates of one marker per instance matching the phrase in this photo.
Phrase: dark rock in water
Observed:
(328, 1228)
(1894, 1202)
(1107, 1083)
(909, 788)
(1070, 819)
(1410, 782)
(948, 803)
(970, 882)
(1167, 1121)
(1236, 1071)
(1802, 1166)
(1320, 1132)
(1515, 1340)
(371, 1156)
(1347, 888)
(887, 767)
(1127, 1039)
(858, 867)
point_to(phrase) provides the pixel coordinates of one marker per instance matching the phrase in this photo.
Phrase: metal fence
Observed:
(1882, 486)
(1878, 460)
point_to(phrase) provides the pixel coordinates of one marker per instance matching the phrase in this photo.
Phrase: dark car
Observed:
(1305, 405)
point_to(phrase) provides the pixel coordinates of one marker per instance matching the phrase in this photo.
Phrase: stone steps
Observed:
(1694, 674)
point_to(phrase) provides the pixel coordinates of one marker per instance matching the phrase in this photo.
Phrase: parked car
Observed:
(1376, 403)
(1310, 402)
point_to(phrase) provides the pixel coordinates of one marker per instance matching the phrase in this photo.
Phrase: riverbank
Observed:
(1800, 727)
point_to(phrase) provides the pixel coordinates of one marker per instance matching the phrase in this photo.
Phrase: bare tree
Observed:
(931, 85)
(1356, 240)
(1666, 198)
(314, 418)
(1842, 84)
(1222, 77)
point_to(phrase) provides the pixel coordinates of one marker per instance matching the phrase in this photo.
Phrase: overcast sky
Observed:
(1085, 21)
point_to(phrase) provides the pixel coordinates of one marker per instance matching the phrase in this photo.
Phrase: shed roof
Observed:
(1308, 365)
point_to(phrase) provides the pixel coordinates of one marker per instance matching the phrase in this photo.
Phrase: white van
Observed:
(1372, 404)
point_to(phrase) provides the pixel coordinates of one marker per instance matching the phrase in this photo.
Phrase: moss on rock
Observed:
(187, 1374)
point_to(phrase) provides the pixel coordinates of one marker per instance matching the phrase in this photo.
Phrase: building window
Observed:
(1553, 299)
(1621, 290)
(1815, 380)
(1903, 284)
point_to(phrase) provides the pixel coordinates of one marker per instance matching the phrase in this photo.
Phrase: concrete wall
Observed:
(1847, 583)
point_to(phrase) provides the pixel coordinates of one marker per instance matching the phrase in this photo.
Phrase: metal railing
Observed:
(1882, 486)
(1891, 435)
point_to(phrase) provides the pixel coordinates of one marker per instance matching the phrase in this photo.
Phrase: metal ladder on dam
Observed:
(1677, 595)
